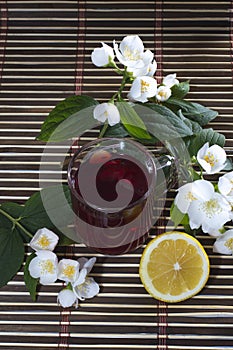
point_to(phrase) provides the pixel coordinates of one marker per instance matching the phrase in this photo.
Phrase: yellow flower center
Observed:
(131, 54)
(229, 244)
(162, 93)
(144, 86)
(190, 197)
(69, 271)
(211, 207)
(209, 158)
(47, 266)
(43, 242)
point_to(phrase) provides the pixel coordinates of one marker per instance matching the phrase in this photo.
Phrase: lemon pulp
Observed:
(174, 266)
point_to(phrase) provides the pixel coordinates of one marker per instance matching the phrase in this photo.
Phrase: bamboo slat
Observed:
(45, 49)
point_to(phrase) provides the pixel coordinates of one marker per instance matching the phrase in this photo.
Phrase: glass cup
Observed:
(116, 185)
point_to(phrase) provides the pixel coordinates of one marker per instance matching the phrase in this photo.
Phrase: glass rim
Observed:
(94, 142)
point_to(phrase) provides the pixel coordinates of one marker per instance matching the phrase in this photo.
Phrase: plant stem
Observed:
(104, 128)
(16, 223)
(124, 81)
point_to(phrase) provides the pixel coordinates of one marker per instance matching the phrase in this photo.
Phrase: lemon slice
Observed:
(174, 266)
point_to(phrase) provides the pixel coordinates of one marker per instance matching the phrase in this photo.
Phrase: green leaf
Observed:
(117, 130)
(62, 111)
(11, 254)
(177, 216)
(132, 122)
(166, 124)
(193, 111)
(74, 126)
(180, 90)
(14, 210)
(10, 216)
(50, 203)
(206, 135)
(33, 215)
(30, 282)
(194, 126)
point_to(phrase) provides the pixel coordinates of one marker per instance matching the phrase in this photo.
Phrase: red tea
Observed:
(107, 228)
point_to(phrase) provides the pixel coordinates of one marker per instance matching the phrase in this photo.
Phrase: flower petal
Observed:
(46, 254)
(152, 67)
(195, 214)
(44, 239)
(211, 213)
(66, 298)
(34, 268)
(132, 43)
(44, 266)
(184, 197)
(170, 80)
(203, 189)
(225, 184)
(119, 56)
(99, 112)
(212, 159)
(101, 56)
(224, 243)
(131, 48)
(143, 88)
(81, 277)
(163, 93)
(89, 264)
(113, 114)
(68, 270)
(48, 278)
(87, 290)
(107, 111)
(203, 150)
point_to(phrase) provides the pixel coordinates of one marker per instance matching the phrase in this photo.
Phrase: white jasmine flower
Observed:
(225, 187)
(146, 66)
(44, 239)
(224, 243)
(86, 290)
(107, 111)
(67, 298)
(131, 51)
(103, 56)
(85, 287)
(210, 210)
(225, 184)
(80, 286)
(132, 55)
(212, 159)
(184, 197)
(170, 80)
(151, 69)
(44, 267)
(163, 93)
(142, 88)
(68, 270)
(191, 192)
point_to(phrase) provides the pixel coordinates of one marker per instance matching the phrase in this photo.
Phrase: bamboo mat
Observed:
(45, 48)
